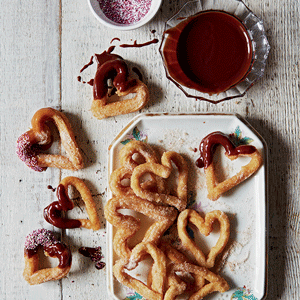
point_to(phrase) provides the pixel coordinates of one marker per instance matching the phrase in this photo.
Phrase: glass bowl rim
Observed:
(264, 60)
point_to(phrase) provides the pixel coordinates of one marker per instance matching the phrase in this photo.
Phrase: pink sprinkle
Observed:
(95, 254)
(125, 11)
(39, 237)
(28, 152)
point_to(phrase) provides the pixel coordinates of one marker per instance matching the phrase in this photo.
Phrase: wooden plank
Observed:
(30, 68)
(45, 45)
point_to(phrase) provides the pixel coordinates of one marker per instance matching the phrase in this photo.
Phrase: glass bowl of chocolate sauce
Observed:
(214, 50)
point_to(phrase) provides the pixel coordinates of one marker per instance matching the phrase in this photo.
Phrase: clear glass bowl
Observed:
(256, 33)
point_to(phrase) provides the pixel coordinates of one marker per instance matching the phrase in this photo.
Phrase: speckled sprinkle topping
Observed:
(125, 11)
(39, 237)
(95, 254)
(28, 152)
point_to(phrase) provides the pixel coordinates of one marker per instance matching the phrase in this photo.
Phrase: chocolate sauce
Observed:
(136, 45)
(94, 254)
(100, 265)
(58, 250)
(88, 64)
(101, 59)
(109, 66)
(209, 52)
(111, 49)
(112, 91)
(210, 142)
(115, 39)
(52, 213)
(50, 187)
(91, 82)
(106, 56)
(115, 69)
(62, 252)
(88, 251)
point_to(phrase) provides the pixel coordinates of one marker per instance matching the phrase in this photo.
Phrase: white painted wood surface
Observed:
(43, 46)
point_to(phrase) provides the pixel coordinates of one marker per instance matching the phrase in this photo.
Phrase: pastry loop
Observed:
(31, 143)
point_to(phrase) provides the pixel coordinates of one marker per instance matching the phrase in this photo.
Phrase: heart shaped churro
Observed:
(156, 291)
(119, 188)
(52, 213)
(31, 143)
(177, 284)
(158, 170)
(137, 150)
(214, 282)
(131, 155)
(205, 226)
(127, 225)
(207, 149)
(51, 247)
(181, 165)
(117, 70)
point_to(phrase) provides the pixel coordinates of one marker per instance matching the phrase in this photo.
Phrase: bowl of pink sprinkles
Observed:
(124, 14)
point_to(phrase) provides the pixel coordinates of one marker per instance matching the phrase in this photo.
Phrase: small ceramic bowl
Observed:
(255, 30)
(103, 19)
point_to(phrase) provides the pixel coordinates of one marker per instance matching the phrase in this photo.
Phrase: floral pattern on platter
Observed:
(193, 203)
(132, 295)
(135, 135)
(243, 294)
(237, 139)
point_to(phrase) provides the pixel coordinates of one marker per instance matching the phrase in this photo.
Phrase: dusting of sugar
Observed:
(40, 237)
(125, 12)
(43, 137)
(66, 138)
(28, 152)
(131, 264)
(240, 255)
(238, 258)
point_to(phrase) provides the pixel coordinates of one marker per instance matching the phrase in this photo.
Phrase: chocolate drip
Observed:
(88, 251)
(61, 252)
(94, 254)
(136, 45)
(58, 250)
(91, 82)
(52, 213)
(210, 142)
(88, 64)
(115, 39)
(106, 56)
(112, 69)
(50, 187)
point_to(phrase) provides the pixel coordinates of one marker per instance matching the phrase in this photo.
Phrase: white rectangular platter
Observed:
(244, 263)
